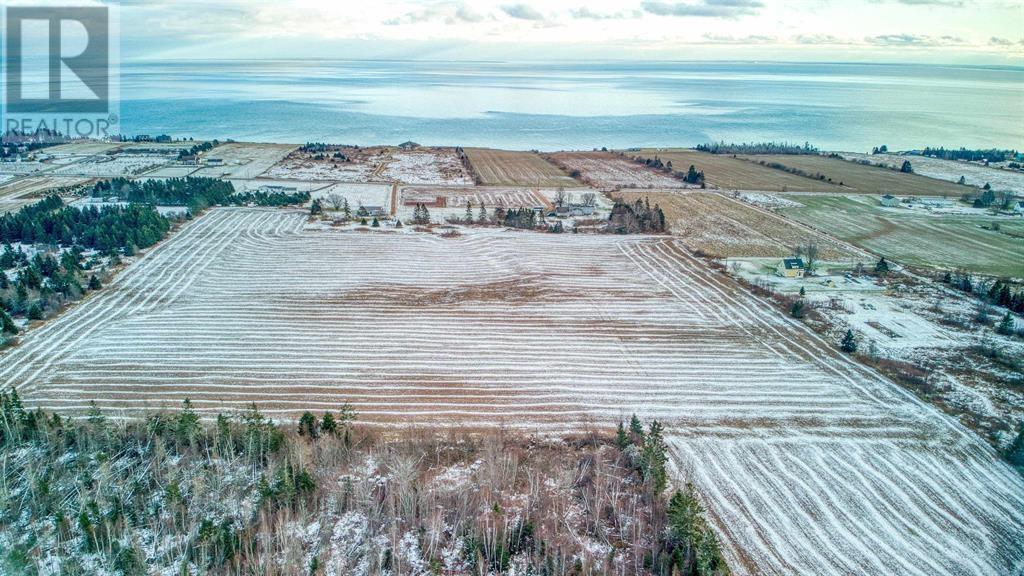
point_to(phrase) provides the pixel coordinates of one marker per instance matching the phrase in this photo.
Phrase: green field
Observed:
(918, 237)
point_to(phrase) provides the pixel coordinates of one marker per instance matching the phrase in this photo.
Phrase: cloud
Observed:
(466, 14)
(522, 12)
(726, 39)
(815, 39)
(703, 8)
(585, 13)
(453, 13)
(914, 40)
(997, 41)
(950, 3)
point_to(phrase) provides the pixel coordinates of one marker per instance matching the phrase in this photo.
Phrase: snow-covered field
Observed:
(950, 170)
(14, 195)
(357, 195)
(766, 200)
(21, 168)
(243, 159)
(113, 166)
(427, 166)
(607, 171)
(811, 464)
(303, 166)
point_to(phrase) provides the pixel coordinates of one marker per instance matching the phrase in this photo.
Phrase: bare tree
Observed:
(589, 199)
(335, 200)
(810, 250)
(560, 197)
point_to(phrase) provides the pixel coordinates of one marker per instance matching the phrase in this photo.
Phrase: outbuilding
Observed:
(889, 200)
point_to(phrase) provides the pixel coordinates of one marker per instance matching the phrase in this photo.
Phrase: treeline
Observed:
(637, 217)
(971, 155)
(269, 198)
(43, 283)
(168, 493)
(197, 148)
(758, 148)
(197, 193)
(800, 172)
(107, 229)
(997, 293)
(691, 176)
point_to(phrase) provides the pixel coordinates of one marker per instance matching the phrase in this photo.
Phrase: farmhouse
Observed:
(889, 200)
(791, 268)
(374, 211)
(573, 210)
(277, 189)
(188, 160)
(934, 202)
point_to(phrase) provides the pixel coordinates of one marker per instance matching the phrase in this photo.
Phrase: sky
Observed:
(985, 32)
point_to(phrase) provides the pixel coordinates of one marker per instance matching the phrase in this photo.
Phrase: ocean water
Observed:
(577, 105)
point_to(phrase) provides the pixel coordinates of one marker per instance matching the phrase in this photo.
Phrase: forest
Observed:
(242, 494)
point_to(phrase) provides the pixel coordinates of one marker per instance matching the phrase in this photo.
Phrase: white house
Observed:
(889, 200)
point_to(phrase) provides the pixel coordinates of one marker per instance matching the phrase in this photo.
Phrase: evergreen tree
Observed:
(848, 343)
(803, 292)
(307, 425)
(621, 439)
(468, 218)
(94, 283)
(1005, 326)
(882, 267)
(35, 311)
(797, 310)
(1015, 453)
(375, 223)
(328, 425)
(346, 210)
(906, 168)
(655, 457)
(636, 428)
(684, 512)
(7, 325)
(482, 216)
(316, 208)
(186, 428)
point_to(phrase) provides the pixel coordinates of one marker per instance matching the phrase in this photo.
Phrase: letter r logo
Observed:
(73, 73)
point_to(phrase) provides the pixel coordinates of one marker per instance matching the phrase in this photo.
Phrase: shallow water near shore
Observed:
(579, 105)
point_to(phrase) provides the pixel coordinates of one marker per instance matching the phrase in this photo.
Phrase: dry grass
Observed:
(512, 168)
(722, 227)
(725, 172)
(609, 171)
(858, 178)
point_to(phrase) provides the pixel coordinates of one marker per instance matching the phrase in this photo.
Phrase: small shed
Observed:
(214, 161)
(791, 268)
(889, 200)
